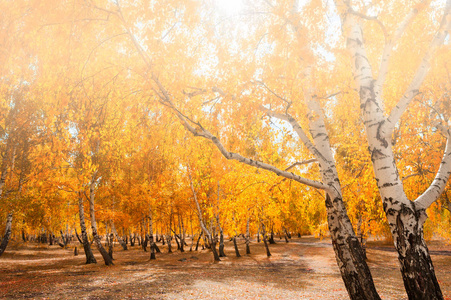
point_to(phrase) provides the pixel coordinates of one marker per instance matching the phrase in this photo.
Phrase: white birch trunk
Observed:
(7, 235)
(405, 218)
(84, 235)
(120, 240)
(207, 233)
(106, 257)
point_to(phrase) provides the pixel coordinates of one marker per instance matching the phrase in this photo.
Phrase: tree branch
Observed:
(413, 89)
(441, 178)
(274, 93)
(235, 156)
(388, 49)
(409, 176)
(300, 163)
(298, 129)
(363, 16)
(142, 53)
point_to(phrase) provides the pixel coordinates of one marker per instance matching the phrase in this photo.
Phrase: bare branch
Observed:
(169, 30)
(409, 176)
(329, 96)
(194, 93)
(356, 177)
(252, 184)
(142, 53)
(198, 211)
(301, 163)
(272, 92)
(215, 99)
(219, 91)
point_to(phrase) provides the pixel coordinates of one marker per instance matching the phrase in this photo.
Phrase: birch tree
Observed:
(406, 217)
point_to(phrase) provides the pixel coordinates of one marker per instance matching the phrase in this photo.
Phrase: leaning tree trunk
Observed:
(416, 265)
(213, 249)
(177, 241)
(207, 233)
(265, 240)
(287, 234)
(237, 252)
(119, 239)
(169, 241)
(110, 240)
(106, 257)
(145, 242)
(7, 235)
(90, 259)
(65, 239)
(198, 240)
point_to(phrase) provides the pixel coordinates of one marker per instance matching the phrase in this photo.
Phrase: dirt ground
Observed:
(302, 269)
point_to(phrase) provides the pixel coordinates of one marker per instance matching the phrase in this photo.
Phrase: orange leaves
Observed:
(93, 104)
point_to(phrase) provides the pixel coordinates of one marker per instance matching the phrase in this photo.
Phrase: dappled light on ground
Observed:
(302, 269)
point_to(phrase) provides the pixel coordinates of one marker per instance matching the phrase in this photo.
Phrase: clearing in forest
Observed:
(301, 269)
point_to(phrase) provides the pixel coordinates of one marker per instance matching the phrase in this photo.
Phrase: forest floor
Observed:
(304, 268)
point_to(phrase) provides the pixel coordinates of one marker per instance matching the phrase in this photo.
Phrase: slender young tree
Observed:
(207, 233)
(95, 235)
(90, 259)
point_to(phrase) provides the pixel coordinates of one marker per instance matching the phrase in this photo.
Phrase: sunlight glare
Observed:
(229, 7)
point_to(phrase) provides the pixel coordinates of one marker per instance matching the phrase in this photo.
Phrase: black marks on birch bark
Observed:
(388, 184)
(329, 204)
(380, 136)
(376, 154)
